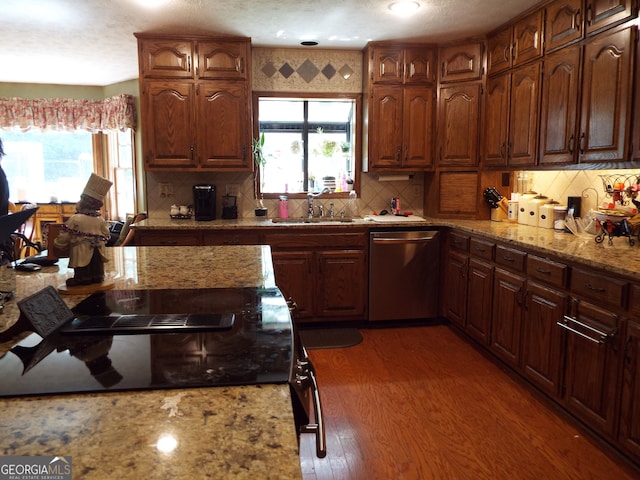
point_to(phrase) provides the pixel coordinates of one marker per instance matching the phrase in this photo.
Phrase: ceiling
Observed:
(91, 42)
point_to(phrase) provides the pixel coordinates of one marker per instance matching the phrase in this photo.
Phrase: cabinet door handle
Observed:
(602, 335)
(582, 142)
(508, 258)
(543, 271)
(399, 152)
(502, 150)
(589, 15)
(588, 286)
(572, 142)
(188, 63)
(481, 249)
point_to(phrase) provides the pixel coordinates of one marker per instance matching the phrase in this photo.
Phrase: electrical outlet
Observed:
(232, 189)
(165, 190)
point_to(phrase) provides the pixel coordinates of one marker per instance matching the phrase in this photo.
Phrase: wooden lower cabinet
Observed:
(541, 352)
(167, 238)
(324, 274)
(591, 371)
(629, 431)
(480, 300)
(508, 296)
(455, 288)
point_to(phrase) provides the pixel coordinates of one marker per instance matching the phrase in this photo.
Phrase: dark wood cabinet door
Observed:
(341, 283)
(166, 58)
(496, 121)
(479, 300)
(418, 127)
(606, 97)
(564, 23)
(387, 65)
(455, 288)
(592, 362)
(629, 436)
(458, 123)
(224, 133)
(385, 124)
(601, 14)
(168, 113)
(559, 111)
(461, 62)
(508, 297)
(524, 114)
(295, 277)
(542, 338)
(527, 38)
(499, 51)
(419, 65)
(223, 60)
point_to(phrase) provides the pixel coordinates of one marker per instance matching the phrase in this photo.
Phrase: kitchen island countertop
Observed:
(219, 432)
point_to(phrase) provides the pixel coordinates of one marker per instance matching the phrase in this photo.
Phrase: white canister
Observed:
(533, 209)
(546, 215)
(523, 207)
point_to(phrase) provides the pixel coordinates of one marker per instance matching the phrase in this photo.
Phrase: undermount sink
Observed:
(312, 220)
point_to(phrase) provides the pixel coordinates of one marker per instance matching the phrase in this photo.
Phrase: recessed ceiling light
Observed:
(404, 7)
(309, 43)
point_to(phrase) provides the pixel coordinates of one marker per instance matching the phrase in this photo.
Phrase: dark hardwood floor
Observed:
(422, 403)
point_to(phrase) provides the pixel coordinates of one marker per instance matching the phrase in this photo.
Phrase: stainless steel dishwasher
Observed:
(404, 276)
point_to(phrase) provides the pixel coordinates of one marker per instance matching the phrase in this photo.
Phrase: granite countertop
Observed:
(619, 258)
(220, 432)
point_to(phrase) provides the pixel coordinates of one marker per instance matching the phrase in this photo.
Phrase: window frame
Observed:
(357, 135)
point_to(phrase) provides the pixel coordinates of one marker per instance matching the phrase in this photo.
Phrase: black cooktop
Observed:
(257, 348)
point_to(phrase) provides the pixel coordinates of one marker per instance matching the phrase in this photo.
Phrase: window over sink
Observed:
(311, 143)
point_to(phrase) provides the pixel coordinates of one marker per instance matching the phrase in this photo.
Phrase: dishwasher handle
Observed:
(400, 240)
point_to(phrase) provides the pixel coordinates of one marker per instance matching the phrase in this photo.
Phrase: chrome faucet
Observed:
(331, 210)
(310, 205)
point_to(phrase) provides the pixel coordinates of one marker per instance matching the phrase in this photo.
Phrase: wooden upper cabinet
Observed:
(224, 119)
(458, 121)
(165, 58)
(162, 146)
(527, 38)
(402, 65)
(461, 62)
(223, 59)
(418, 127)
(385, 122)
(564, 23)
(602, 14)
(496, 120)
(499, 51)
(559, 107)
(516, 44)
(606, 96)
(524, 115)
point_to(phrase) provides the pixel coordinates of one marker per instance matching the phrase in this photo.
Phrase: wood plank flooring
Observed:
(421, 403)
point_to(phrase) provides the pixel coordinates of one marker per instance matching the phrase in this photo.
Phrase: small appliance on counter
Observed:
(499, 205)
(204, 202)
(229, 207)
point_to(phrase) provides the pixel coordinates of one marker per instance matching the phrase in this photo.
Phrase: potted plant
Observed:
(259, 160)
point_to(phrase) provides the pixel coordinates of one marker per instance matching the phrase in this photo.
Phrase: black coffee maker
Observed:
(204, 202)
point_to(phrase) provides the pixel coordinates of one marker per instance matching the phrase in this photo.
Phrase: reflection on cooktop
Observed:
(256, 349)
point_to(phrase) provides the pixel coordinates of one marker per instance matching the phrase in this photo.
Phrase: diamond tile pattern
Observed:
(308, 71)
(346, 71)
(286, 70)
(328, 71)
(269, 69)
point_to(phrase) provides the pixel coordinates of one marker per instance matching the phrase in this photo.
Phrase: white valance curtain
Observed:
(114, 113)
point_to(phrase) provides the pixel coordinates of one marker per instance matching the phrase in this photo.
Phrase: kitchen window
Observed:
(311, 143)
(45, 166)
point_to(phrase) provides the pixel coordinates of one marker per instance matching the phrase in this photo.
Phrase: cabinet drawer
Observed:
(482, 248)
(547, 270)
(459, 242)
(311, 240)
(510, 258)
(217, 237)
(151, 238)
(595, 286)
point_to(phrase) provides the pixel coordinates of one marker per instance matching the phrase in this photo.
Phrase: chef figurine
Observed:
(85, 235)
